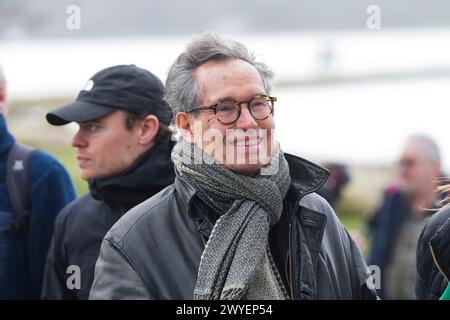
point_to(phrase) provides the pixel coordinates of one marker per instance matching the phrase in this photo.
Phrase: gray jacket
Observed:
(154, 251)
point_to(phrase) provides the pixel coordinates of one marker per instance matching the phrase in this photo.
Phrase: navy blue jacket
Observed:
(22, 256)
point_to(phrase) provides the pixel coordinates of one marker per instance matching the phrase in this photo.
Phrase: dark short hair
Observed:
(164, 132)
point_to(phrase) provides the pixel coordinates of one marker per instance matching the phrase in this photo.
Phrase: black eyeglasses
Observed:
(228, 111)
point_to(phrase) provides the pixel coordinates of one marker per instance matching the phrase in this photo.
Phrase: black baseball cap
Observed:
(123, 87)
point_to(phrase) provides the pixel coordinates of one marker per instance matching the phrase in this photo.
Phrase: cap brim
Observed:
(78, 111)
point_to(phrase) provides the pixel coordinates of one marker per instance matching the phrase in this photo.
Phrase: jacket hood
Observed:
(151, 173)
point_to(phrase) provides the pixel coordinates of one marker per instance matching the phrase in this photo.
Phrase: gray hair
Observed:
(429, 145)
(182, 90)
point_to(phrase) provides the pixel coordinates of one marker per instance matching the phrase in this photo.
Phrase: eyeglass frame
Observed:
(272, 99)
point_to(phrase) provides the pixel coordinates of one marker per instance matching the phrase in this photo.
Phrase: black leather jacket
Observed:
(433, 257)
(154, 251)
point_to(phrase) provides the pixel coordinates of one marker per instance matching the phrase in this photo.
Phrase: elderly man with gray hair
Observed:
(242, 220)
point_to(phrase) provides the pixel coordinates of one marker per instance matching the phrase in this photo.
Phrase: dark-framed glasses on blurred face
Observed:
(228, 111)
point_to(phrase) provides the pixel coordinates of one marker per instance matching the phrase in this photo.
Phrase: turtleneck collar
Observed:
(151, 173)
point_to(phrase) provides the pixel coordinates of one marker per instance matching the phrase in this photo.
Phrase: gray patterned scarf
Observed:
(236, 262)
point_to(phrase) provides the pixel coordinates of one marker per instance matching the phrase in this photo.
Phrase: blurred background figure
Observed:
(397, 222)
(333, 187)
(26, 227)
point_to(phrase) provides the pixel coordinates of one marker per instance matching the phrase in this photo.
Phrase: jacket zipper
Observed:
(433, 254)
(291, 279)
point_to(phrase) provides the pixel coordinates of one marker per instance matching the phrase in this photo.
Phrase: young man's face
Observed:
(105, 146)
(237, 80)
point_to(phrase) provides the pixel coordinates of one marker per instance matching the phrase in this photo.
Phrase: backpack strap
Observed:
(16, 183)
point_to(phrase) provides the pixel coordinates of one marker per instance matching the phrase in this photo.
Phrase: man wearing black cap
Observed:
(124, 151)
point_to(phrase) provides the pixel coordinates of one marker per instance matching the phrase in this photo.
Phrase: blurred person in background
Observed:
(124, 146)
(433, 255)
(24, 241)
(396, 224)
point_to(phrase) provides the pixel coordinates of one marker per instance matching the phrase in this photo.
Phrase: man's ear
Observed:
(148, 129)
(185, 124)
